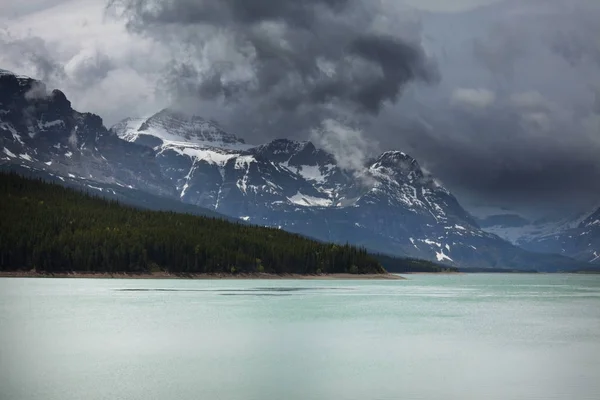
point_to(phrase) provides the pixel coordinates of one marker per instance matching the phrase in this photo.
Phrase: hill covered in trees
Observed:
(408, 265)
(53, 229)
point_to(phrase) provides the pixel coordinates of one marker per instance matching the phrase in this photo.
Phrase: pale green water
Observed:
(431, 337)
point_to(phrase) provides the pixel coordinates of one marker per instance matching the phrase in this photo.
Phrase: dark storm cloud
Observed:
(596, 95)
(299, 13)
(575, 36)
(399, 63)
(575, 44)
(500, 50)
(512, 123)
(296, 54)
(502, 155)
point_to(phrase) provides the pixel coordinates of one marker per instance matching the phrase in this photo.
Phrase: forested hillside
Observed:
(50, 228)
(407, 265)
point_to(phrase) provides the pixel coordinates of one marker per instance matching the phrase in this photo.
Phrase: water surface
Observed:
(430, 337)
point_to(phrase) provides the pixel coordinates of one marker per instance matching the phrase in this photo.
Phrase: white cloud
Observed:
(348, 145)
(473, 98)
(101, 66)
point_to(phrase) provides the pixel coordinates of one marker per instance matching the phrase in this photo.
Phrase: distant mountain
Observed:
(503, 220)
(519, 231)
(577, 237)
(581, 241)
(390, 206)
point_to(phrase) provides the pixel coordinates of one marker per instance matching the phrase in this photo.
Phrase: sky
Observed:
(500, 100)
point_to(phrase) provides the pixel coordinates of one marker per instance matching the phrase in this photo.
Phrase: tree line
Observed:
(53, 229)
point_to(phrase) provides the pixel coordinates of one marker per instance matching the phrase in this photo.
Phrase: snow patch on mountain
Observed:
(129, 129)
(310, 172)
(311, 201)
(211, 156)
(26, 157)
(9, 153)
(440, 256)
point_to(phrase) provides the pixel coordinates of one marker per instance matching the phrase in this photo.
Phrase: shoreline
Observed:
(165, 275)
(434, 273)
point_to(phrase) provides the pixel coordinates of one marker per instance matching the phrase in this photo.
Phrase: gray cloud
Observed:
(475, 98)
(500, 50)
(596, 98)
(493, 158)
(89, 67)
(512, 123)
(16, 9)
(143, 12)
(285, 55)
(31, 53)
(575, 35)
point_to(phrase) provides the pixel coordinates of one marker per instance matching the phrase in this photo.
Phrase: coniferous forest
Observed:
(52, 229)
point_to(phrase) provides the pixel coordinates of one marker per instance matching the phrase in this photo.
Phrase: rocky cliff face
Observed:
(40, 130)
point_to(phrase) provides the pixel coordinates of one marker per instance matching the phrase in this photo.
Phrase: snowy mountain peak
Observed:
(402, 168)
(284, 147)
(169, 126)
(396, 160)
(294, 153)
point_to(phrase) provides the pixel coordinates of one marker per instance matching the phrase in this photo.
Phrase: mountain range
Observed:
(577, 237)
(390, 205)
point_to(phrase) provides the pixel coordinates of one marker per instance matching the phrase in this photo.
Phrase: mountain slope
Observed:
(124, 195)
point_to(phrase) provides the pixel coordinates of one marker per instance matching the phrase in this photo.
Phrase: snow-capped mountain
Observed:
(519, 231)
(577, 236)
(579, 240)
(390, 205)
(169, 127)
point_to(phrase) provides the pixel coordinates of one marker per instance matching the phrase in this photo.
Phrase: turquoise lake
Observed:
(429, 337)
